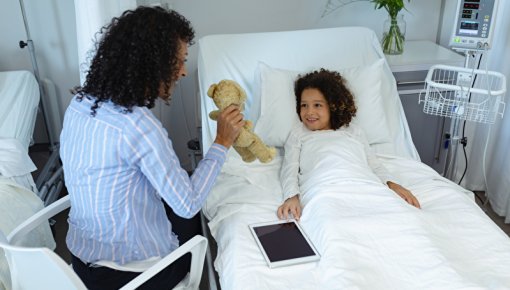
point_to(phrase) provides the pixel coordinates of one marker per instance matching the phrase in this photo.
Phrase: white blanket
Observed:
(368, 237)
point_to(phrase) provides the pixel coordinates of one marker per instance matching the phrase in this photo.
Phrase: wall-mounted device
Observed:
(474, 23)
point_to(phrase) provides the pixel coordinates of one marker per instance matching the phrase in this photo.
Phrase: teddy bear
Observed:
(248, 144)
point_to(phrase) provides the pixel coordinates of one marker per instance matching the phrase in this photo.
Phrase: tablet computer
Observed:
(283, 243)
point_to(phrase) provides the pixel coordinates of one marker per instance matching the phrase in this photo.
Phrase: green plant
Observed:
(392, 6)
(393, 38)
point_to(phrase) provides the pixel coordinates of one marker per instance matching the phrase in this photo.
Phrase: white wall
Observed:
(449, 11)
(52, 24)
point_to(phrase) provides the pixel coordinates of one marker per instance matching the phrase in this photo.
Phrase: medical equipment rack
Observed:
(463, 94)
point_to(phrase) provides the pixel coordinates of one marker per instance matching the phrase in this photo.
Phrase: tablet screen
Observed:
(284, 243)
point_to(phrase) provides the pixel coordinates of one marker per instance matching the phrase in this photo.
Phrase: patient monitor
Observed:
(474, 23)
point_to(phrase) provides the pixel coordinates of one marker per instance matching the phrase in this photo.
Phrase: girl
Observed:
(323, 103)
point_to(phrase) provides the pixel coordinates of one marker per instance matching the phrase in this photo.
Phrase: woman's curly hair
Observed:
(136, 55)
(331, 84)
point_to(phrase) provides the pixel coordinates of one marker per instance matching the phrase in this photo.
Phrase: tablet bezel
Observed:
(287, 262)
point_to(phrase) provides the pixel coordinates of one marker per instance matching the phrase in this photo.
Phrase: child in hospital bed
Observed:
(326, 108)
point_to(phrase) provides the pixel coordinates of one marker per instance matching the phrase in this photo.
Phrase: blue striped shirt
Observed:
(118, 167)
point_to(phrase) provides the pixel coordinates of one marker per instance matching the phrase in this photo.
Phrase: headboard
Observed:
(237, 56)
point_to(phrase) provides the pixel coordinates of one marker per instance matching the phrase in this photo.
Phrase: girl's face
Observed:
(314, 110)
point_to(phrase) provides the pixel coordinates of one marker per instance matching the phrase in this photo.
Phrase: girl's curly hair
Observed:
(331, 84)
(136, 55)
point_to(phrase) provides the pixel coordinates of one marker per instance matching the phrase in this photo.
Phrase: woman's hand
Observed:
(230, 121)
(291, 205)
(404, 193)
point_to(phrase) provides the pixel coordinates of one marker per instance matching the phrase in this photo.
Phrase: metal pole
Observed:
(42, 91)
(454, 144)
(440, 24)
(451, 157)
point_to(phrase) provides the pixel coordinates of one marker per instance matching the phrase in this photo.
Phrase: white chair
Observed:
(41, 268)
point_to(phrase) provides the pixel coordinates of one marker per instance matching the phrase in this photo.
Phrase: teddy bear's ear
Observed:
(210, 91)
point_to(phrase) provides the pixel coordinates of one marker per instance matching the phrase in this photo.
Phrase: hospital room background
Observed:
(62, 30)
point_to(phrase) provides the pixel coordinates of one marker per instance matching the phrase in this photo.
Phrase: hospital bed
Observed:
(368, 237)
(19, 99)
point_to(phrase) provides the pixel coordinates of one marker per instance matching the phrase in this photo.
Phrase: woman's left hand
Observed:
(404, 193)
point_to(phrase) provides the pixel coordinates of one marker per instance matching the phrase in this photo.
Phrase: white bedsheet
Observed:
(15, 164)
(19, 100)
(368, 237)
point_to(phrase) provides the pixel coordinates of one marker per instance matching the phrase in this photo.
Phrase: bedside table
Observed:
(410, 69)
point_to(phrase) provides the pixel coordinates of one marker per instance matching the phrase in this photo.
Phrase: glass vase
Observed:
(394, 32)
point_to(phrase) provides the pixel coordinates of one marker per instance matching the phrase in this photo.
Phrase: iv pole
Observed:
(49, 182)
(451, 157)
(472, 36)
(42, 91)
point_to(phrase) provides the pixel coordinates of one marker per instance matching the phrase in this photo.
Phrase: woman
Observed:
(119, 165)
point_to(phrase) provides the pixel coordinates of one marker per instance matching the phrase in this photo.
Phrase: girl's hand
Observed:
(404, 193)
(291, 205)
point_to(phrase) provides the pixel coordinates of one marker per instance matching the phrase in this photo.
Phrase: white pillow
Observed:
(278, 103)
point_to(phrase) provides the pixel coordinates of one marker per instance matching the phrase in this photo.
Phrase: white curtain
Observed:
(91, 15)
(495, 179)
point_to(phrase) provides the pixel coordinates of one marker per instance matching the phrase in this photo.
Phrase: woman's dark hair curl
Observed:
(136, 55)
(331, 84)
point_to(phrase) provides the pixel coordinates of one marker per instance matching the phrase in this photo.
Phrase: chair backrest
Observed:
(31, 267)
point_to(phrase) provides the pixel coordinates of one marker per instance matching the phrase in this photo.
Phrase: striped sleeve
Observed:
(147, 145)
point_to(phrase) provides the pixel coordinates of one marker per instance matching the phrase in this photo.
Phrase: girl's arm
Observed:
(289, 177)
(290, 166)
(404, 193)
(385, 176)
